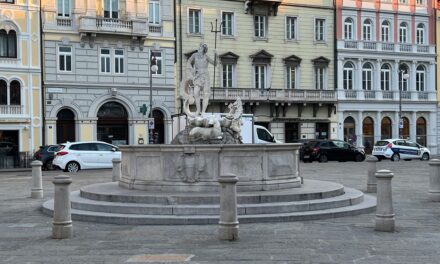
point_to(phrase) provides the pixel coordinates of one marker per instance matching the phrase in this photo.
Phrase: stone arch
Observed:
(9, 25)
(100, 101)
(58, 107)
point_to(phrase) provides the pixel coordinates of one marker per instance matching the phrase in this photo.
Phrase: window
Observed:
(65, 59)
(228, 75)
(403, 1)
(105, 61)
(420, 2)
(260, 76)
(260, 26)
(385, 31)
(291, 28)
(291, 77)
(7, 1)
(420, 34)
(403, 83)
(158, 56)
(104, 147)
(420, 78)
(154, 12)
(319, 29)
(111, 8)
(63, 7)
(367, 30)
(228, 24)
(348, 29)
(403, 33)
(194, 21)
(385, 77)
(3, 92)
(367, 76)
(119, 61)
(8, 44)
(348, 76)
(319, 78)
(14, 93)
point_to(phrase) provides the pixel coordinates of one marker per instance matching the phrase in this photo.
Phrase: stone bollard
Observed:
(116, 173)
(228, 224)
(384, 209)
(62, 221)
(434, 180)
(37, 180)
(372, 168)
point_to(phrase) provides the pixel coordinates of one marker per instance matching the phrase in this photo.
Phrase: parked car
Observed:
(46, 154)
(74, 156)
(326, 150)
(396, 149)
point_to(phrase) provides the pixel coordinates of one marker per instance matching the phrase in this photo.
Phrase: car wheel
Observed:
(359, 158)
(323, 158)
(72, 167)
(379, 159)
(425, 156)
(49, 165)
(395, 157)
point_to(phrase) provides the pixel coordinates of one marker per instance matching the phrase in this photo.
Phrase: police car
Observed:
(396, 149)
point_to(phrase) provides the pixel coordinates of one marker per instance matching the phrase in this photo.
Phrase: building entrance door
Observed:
(159, 127)
(291, 131)
(321, 131)
(9, 151)
(113, 124)
(65, 126)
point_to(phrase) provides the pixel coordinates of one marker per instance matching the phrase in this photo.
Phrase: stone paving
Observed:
(25, 231)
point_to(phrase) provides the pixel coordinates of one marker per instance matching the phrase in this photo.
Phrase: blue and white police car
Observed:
(396, 149)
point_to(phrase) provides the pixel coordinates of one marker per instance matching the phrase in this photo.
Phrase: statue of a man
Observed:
(198, 64)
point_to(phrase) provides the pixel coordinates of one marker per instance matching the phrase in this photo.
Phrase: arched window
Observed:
(350, 130)
(3, 92)
(386, 128)
(421, 131)
(368, 134)
(420, 78)
(385, 77)
(348, 29)
(367, 30)
(15, 93)
(420, 34)
(348, 76)
(385, 31)
(8, 44)
(403, 83)
(405, 129)
(403, 32)
(367, 76)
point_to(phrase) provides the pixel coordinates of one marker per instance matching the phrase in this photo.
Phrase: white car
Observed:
(396, 149)
(74, 156)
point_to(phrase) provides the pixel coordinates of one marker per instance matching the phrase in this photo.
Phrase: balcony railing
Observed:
(11, 109)
(385, 46)
(112, 25)
(386, 95)
(64, 22)
(279, 95)
(155, 29)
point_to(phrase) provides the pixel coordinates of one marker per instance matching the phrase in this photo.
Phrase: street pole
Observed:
(152, 64)
(400, 108)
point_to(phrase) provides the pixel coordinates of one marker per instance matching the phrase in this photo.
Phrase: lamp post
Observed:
(405, 76)
(153, 68)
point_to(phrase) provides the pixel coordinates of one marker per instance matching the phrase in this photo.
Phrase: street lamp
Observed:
(405, 76)
(153, 68)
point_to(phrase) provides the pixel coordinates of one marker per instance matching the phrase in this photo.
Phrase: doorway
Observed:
(386, 128)
(291, 131)
(113, 124)
(350, 131)
(159, 127)
(368, 134)
(421, 131)
(321, 130)
(65, 126)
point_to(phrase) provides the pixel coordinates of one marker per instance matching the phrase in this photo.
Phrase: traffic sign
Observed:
(401, 123)
(151, 123)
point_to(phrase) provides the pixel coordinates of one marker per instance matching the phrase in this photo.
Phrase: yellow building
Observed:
(20, 83)
(277, 55)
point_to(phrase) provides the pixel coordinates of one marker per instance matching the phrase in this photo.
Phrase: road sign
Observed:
(151, 123)
(401, 123)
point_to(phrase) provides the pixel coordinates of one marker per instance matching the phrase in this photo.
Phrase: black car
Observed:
(46, 155)
(337, 150)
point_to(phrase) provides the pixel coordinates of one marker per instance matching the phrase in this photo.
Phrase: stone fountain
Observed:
(178, 183)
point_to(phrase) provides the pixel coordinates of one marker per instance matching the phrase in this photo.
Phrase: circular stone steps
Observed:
(108, 203)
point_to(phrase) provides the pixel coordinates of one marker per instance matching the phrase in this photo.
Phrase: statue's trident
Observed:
(215, 31)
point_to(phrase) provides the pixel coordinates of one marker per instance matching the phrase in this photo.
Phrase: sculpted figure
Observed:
(233, 120)
(212, 131)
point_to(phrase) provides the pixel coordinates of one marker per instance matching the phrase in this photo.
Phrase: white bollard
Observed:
(116, 172)
(228, 224)
(372, 168)
(62, 220)
(434, 180)
(37, 180)
(384, 210)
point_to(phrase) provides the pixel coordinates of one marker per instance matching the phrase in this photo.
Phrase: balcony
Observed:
(374, 95)
(102, 25)
(11, 109)
(274, 95)
(64, 22)
(368, 46)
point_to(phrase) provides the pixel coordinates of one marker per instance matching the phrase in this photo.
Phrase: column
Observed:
(37, 180)
(168, 130)
(395, 80)
(377, 127)
(431, 132)
(130, 9)
(384, 209)
(62, 219)
(412, 80)
(434, 180)
(91, 8)
(340, 73)
(359, 132)
(395, 125)
(412, 126)
(430, 85)
(341, 125)
(376, 85)
(228, 223)
(358, 80)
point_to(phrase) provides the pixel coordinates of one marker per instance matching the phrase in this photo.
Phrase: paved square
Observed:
(25, 231)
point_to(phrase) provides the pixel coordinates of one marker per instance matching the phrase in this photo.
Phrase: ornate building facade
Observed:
(97, 65)
(277, 56)
(20, 83)
(386, 71)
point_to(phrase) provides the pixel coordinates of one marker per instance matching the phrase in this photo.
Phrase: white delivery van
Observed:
(249, 130)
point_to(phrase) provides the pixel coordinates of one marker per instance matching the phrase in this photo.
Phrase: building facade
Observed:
(386, 71)
(277, 56)
(20, 83)
(97, 65)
